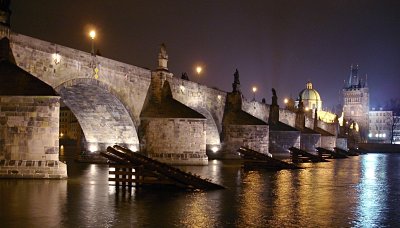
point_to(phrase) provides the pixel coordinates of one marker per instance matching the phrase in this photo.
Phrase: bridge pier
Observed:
(29, 123)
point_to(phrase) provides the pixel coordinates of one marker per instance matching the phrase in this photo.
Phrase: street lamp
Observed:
(199, 69)
(92, 35)
(285, 100)
(254, 93)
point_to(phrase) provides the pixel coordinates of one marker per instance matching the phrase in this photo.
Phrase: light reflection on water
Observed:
(373, 192)
(360, 191)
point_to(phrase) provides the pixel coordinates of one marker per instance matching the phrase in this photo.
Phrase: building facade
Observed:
(396, 130)
(69, 125)
(380, 126)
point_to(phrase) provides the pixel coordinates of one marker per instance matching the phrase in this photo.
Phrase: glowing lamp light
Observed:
(133, 148)
(285, 100)
(182, 88)
(92, 148)
(307, 109)
(384, 135)
(61, 135)
(370, 135)
(254, 89)
(199, 69)
(56, 58)
(214, 149)
(92, 34)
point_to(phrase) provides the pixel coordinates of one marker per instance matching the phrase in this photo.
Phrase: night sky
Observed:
(274, 44)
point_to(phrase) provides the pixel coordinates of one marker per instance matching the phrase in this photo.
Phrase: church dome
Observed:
(309, 93)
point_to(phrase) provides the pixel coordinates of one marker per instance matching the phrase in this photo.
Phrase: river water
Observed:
(359, 191)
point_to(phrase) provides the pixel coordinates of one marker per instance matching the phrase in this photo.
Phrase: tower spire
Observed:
(351, 70)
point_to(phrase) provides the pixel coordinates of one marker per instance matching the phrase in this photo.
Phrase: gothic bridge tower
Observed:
(356, 101)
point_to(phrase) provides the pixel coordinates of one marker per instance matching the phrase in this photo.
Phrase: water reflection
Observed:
(342, 193)
(373, 191)
(252, 203)
(24, 202)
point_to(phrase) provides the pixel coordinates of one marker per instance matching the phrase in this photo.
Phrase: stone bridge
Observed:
(107, 96)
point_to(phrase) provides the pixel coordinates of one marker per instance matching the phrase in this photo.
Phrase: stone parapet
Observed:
(30, 169)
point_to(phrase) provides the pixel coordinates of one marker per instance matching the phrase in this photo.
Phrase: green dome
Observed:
(309, 93)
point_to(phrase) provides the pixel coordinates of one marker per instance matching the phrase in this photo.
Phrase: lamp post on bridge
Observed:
(92, 35)
(254, 92)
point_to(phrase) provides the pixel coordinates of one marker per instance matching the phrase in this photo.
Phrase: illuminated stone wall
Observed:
(207, 101)
(254, 137)
(288, 117)
(46, 169)
(281, 141)
(309, 142)
(175, 141)
(29, 128)
(328, 142)
(341, 143)
(103, 118)
(257, 109)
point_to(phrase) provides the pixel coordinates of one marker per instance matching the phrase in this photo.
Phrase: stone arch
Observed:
(103, 117)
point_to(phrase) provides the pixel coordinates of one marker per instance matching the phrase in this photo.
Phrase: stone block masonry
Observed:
(33, 169)
(281, 141)
(176, 141)
(29, 127)
(341, 143)
(328, 142)
(309, 142)
(254, 137)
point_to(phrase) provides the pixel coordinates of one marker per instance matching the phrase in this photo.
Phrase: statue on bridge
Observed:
(185, 76)
(163, 58)
(163, 51)
(236, 82)
(274, 97)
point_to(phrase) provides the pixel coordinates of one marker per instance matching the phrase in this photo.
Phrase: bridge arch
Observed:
(103, 117)
(213, 140)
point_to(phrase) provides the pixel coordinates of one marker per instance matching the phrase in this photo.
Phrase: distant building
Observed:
(312, 101)
(310, 97)
(356, 102)
(380, 126)
(69, 125)
(396, 130)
